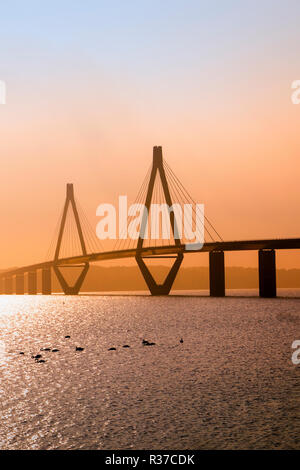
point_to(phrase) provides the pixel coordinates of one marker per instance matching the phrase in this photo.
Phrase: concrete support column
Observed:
(8, 285)
(267, 273)
(32, 283)
(20, 284)
(46, 281)
(216, 274)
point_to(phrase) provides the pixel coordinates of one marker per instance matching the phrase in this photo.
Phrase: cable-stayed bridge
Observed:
(75, 244)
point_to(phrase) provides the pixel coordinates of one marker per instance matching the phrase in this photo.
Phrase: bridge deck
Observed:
(243, 245)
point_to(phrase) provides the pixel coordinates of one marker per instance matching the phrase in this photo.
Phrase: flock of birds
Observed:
(39, 358)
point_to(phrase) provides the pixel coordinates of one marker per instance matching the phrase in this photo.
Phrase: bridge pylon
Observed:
(70, 290)
(153, 286)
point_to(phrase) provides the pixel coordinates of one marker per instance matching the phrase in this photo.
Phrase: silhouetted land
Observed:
(126, 278)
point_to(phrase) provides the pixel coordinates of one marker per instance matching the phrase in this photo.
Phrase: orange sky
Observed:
(225, 120)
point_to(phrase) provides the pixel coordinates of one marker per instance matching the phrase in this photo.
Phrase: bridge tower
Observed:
(154, 287)
(70, 290)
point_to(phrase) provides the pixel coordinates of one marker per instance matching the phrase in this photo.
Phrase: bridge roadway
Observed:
(242, 245)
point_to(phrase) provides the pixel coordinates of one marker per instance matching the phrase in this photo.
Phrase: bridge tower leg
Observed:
(46, 281)
(267, 273)
(158, 289)
(32, 282)
(67, 289)
(20, 284)
(1, 286)
(216, 273)
(8, 285)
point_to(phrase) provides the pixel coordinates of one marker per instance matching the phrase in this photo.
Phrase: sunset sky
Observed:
(92, 86)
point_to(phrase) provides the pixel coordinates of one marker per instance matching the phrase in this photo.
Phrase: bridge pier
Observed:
(46, 281)
(160, 289)
(67, 289)
(32, 282)
(216, 274)
(267, 273)
(20, 284)
(8, 285)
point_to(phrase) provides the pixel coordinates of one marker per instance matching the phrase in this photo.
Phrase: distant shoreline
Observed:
(129, 278)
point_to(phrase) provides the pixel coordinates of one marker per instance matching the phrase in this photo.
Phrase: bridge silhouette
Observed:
(13, 281)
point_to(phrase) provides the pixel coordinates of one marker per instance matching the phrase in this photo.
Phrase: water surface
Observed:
(230, 385)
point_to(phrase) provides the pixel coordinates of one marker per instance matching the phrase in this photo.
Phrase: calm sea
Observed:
(230, 384)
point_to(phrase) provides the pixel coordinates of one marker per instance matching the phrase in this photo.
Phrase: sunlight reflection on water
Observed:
(231, 384)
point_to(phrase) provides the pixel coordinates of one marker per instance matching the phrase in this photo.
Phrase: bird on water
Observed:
(147, 343)
(37, 356)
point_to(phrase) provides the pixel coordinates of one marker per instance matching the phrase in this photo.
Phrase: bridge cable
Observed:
(51, 250)
(120, 242)
(188, 196)
(140, 200)
(182, 201)
(93, 241)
